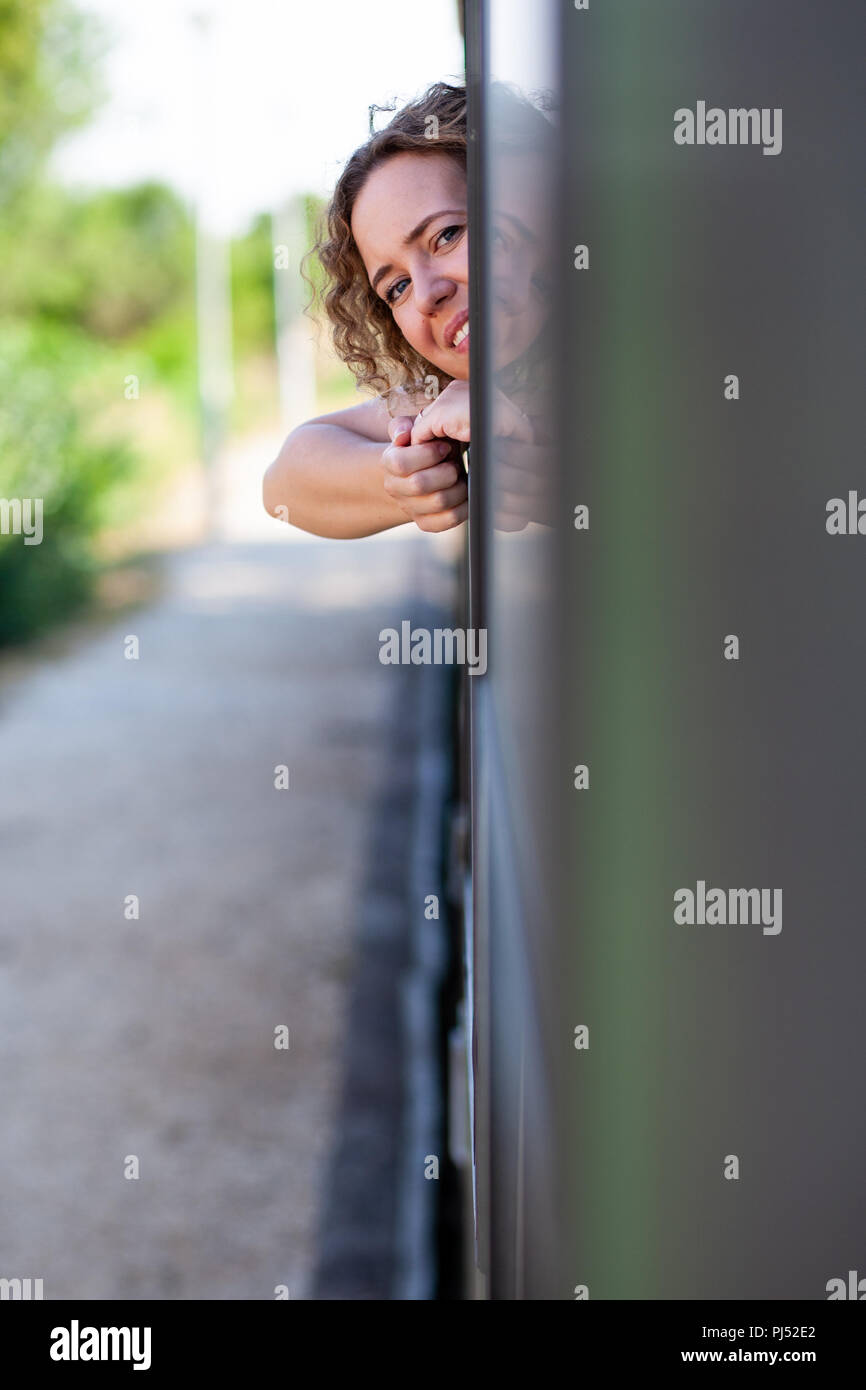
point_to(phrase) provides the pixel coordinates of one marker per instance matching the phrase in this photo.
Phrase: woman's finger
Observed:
(518, 480)
(403, 460)
(443, 521)
(425, 481)
(442, 423)
(446, 417)
(512, 512)
(400, 427)
(440, 501)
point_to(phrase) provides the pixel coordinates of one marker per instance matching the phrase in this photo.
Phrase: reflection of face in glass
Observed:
(520, 239)
(518, 258)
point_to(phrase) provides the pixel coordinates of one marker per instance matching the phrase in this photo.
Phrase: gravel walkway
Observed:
(155, 1037)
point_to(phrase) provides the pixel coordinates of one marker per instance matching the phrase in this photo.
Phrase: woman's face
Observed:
(410, 226)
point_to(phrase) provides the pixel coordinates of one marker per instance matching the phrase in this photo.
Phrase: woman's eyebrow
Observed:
(521, 226)
(413, 236)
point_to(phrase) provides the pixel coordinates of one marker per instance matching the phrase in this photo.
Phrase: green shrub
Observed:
(45, 452)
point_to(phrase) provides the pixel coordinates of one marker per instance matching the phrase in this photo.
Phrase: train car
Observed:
(662, 764)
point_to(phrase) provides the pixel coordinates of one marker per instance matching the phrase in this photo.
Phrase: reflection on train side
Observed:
(521, 277)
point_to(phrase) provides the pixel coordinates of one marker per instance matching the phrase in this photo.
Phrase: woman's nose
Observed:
(511, 284)
(432, 291)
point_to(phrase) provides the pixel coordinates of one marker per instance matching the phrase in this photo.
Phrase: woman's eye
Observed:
(448, 235)
(542, 285)
(396, 290)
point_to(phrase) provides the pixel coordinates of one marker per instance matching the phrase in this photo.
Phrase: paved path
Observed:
(155, 1037)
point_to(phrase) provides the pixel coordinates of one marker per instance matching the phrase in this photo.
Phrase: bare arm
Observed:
(356, 472)
(328, 477)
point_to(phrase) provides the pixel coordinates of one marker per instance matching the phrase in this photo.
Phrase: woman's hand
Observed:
(448, 417)
(523, 491)
(423, 478)
(520, 463)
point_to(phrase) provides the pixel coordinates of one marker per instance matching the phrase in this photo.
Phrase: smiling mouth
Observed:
(457, 332)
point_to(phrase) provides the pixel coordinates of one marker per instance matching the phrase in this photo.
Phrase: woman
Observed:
(395, 255)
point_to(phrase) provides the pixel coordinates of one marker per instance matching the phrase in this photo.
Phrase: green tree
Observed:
(46, 455)
(109, 263)
(48, 56)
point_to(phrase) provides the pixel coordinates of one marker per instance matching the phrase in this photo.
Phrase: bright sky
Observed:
(263, 99)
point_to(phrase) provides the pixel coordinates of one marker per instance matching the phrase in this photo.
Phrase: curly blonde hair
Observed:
(364, 332)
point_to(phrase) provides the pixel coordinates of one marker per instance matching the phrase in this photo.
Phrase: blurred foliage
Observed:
(109, 263)
(253, 290)
(96, 287)
(49, 55)
(45, 453)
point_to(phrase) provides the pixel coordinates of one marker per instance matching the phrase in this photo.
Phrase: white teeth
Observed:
(460, 334)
